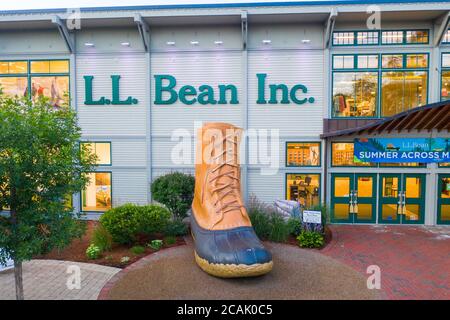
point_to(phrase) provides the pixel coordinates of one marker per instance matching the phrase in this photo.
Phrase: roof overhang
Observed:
(435, 116)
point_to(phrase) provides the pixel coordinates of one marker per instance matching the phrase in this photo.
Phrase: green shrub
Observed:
(137, 250)
(152, 219)
(175, 191)
(169, 240)
(124, 223)
(102, 238)
(93, 252)
(310, 239)
(155, 244)
(121, 223)
(266, 222)
(176, 228)
(294, 226)
(279, 229)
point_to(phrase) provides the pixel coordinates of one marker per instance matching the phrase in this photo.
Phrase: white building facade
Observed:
(143, 78)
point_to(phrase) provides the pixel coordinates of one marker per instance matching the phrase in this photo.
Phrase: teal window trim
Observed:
(373, 165)
(380, 71)
(345, 166)
(303, 166)
(443, 69)
(447, 34)
(404, 33)
(355, 38)
(29, 75)
(380, 38)
(82, 192)
(441, 201)
(110, 151)
(303, 173)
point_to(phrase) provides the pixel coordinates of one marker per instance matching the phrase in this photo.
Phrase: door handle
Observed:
(352, 209)
(355, 201)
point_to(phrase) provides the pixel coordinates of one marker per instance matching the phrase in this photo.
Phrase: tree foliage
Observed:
(41, 167)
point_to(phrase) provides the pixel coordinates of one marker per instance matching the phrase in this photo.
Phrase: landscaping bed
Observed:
(76, 251)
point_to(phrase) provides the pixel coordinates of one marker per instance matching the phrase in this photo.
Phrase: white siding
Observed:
(195, 68)
(129, 186)
(113, 120)
(290, 68)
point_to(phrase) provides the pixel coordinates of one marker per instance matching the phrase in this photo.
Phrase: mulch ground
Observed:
(76, 251)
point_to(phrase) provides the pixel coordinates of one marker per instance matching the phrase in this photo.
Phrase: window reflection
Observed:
(403, 90)
(342, 154)
(97, 195)
(14, 86)
(303, 188)
(354, 94)
(55, 88)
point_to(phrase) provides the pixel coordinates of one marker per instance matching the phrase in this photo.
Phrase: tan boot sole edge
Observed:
(233, 270)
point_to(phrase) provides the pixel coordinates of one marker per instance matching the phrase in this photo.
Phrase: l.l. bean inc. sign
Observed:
(167, 92)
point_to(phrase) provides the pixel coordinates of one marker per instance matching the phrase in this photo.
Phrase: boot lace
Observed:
(225, 169)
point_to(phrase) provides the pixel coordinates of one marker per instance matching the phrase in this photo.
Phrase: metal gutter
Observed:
(222, 5)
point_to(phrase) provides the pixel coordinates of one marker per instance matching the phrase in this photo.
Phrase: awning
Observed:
(435, 116)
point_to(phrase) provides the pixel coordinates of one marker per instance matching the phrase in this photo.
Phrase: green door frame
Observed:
(419, 201)
(400, 219)
(442, 201)
(388, 200)
(367, 200)
(341, 200)
(353, 181)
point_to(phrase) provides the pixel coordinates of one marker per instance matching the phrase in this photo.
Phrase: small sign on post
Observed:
(312, 217)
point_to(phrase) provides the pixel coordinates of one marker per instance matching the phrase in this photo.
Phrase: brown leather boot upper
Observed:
(217, 203)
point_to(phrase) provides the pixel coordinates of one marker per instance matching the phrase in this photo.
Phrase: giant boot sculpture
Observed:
(225, 243)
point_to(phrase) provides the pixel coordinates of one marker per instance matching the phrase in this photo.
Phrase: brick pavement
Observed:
(414, 260)
(47, 280)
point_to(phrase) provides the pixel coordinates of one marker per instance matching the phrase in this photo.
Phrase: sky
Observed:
(46, 4)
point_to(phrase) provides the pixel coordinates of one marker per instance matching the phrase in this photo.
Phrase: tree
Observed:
(175, 191)
(41, 166)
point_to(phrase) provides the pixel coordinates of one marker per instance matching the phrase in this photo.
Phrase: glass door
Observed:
(364, 198)
(401, 198)
(443, 209)
(341, 197)
(413, 206)
(353, 198)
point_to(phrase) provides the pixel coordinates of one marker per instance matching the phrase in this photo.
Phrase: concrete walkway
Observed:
(47, 280)
(297, 274)
(414, 261)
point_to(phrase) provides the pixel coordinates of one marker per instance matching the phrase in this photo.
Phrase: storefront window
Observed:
(446, 38)
(418, 37)
(445, 77)
(355, 94)
(55, 88)
(303, 154)
(13, 67)
(392, 37)
(97, 195)
(402, 90)
(367, 37)
(48, 78)
(392, 61)
(101, 149)
(342, 154)
(417, 61)
(303, 188)
(343, 62)
(14, 86)
(343, 38)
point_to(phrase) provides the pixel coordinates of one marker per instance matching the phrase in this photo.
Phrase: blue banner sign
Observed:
(390, 150)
